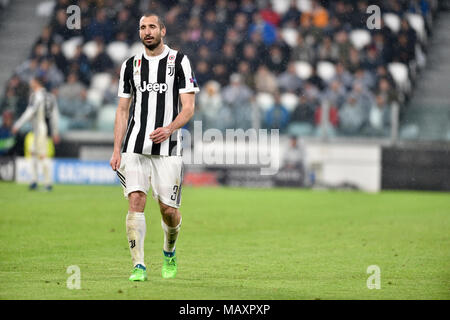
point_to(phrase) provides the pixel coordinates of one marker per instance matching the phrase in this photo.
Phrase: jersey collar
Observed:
(162, 55)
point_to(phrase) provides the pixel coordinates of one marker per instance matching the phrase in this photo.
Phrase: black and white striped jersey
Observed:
(154, 84)
(43, 113)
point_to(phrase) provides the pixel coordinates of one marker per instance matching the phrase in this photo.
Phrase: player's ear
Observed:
(163, 31)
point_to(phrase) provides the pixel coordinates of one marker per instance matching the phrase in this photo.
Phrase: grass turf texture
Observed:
(234, 244)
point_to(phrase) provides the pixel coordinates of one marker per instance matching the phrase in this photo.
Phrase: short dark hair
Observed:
(160, 19)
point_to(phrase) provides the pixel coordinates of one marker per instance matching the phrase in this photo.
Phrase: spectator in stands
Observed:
(71, 95)
(211, 109)
(125, 29)
(60, 32)
(203, 72)
(80, 63)
(277, 60)
(303, 51)
(327, 50)
(379, 117)
(364, 77)
(220, 74)
(343, 45)
(248, 77)
(265, 80)
(50, 73)
(58, 58)
(277, 117)
(403, 50)
(343, 76)
(16, 96)
(101, 62)
(249, 54)
(372, 60)
(229, 57)
(385, 89)
(304, 111)
(45, 39)
(210, 40)
(335, 94)
(354, 60)
(7, 140)
(352, 116)
(100, 27)
(319, 15)
(267, 31)
(315, 79)
(292, 16)
(238, 97)
(289, 80)
(28, 69)
(270, 16)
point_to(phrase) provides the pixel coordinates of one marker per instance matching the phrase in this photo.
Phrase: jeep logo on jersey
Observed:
(157, 87)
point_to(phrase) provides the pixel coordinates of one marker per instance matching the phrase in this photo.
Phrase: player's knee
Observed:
(168, 211)
(137, 200)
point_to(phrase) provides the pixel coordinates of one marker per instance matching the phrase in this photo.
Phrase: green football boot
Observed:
(139, 273)
(169, 268)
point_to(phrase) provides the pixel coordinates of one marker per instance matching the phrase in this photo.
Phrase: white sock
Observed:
(46, 170)
(136, 229)
(34, 169)
(170, 236)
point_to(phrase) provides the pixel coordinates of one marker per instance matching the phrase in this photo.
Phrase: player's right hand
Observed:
(115, 161)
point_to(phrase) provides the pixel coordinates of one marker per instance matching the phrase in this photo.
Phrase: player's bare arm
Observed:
(187, 111)
(120, 126)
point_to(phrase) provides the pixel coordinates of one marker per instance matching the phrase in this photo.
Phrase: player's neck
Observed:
(155, 52)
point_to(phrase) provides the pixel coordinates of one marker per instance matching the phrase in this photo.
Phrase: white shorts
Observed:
(39, 147)
(164, 174)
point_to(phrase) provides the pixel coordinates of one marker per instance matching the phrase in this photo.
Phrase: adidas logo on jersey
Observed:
(157, 87)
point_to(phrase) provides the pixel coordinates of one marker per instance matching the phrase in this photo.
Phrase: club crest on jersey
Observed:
(171, 70)
(156, 87)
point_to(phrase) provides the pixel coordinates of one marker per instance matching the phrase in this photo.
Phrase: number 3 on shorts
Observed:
(173, 197)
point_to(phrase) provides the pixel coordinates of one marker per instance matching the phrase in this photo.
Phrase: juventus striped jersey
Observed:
(154, 84)
(43, 113)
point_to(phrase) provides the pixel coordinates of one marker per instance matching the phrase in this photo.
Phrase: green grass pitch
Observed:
(234, 244)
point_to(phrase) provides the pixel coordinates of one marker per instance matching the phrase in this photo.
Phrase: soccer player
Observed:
(43, 113)
(147, 139)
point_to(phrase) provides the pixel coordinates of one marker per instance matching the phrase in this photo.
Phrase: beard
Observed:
(152, 46)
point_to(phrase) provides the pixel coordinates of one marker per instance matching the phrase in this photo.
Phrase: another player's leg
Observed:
(34, 171)
(136, 229)
(47, 174)
(171, 224)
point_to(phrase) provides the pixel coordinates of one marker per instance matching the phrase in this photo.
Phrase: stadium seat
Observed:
(326, 70)
(45, 8)
(289, 101)
(392, 21)
(101, 81)
(117, 51)
(360, 38)
(106, 117)
(399, 72)
(418, 24)
(280, 6)
(95, 97)
(290, 35)
(68, 47)
(90, 49)
(304, 5)
(135, 49)
(303, 69)
(264, 100)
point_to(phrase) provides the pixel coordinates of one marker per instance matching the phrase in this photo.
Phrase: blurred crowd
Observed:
(241, 54)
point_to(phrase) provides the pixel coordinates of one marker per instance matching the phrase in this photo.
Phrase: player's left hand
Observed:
(160, 134)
